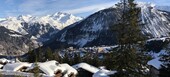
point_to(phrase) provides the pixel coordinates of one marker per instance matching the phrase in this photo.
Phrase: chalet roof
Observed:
(69, 69)
(16, 66)
(86, 67)
(49, 67)
(4, 60)
(103, 73)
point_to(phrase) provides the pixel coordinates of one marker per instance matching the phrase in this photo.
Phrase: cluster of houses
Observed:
(95, 49)
(51, 69)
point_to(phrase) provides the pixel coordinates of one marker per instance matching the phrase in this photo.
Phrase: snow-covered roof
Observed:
(155, 62)
(103, 73)
(16, 66)
(4, 60)
(69, 68)
(50, 67)
(16, 73)
(86, 67)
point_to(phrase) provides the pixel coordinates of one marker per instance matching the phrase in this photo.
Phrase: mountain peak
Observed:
(25, 18)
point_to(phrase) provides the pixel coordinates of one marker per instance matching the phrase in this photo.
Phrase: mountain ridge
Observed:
(94, 30)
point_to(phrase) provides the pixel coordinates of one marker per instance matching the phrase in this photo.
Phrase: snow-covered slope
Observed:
(36, 29)
(95, 29)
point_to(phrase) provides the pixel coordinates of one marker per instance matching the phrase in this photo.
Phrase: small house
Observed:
(50, 68)
(85, 70)
(70, 71)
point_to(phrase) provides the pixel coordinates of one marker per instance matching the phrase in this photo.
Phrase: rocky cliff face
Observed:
(13, 43)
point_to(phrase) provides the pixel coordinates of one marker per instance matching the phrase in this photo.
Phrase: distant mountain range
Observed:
(35, 29)
(25, 32)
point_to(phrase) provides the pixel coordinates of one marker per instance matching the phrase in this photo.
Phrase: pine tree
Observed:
(165, 59)
(76, 58)
(66, 58)
(57, 56)
(108, 61)
(129, 57)
(31, 56)
(49, 54)
(36, 70)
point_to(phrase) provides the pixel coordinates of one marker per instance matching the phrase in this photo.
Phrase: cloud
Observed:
(43, 7)
(32, 7)
(95, 8)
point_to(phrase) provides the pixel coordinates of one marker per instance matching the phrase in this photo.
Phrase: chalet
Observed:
(70, 71)
(104, 73)
(4, 61)
(22, 66)
(49, 68)
(85, 70)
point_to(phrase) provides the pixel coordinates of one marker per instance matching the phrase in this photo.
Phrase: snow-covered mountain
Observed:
(37, 29)
(95, 29)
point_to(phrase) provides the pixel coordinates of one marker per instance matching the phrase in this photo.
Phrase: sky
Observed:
(81, 8)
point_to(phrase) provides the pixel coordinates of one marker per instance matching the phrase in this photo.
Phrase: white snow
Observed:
(83, 40)
(16, 73)
(69, 69)
(96, 71)
(57, 21)
(15, 35)
(155, 62)
(103, 73)
(163, 39)
(49, 67)
(87, 67)
(153, 19)
(4, 60)
(16, 66)
(13, 24)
